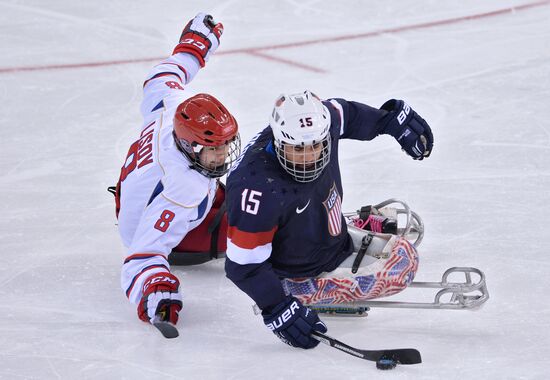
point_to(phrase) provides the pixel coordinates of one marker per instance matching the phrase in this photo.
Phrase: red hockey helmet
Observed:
(207, 134)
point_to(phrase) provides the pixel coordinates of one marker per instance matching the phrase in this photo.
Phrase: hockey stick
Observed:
(399, 355)
(167, 329)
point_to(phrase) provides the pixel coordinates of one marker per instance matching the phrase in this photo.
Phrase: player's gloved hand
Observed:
(200, 37)
(409, 129)
(161, 296)
(293, 323)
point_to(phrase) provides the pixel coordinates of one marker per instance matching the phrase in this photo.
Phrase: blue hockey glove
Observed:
(293, 323)
(408, 128)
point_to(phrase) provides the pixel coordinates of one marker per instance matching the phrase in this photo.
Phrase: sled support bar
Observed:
(465, 295)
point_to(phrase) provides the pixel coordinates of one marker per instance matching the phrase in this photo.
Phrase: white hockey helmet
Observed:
(301, 123)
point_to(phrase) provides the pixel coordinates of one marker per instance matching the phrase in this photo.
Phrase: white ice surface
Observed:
(483, 85)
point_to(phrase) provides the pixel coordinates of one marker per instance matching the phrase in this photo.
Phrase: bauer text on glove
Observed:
(409, 129)
(293, 323)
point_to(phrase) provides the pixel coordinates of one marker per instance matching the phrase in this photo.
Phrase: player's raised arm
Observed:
(166, 82)
(356, 120)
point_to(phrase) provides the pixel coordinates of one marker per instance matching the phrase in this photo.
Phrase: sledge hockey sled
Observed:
(469, 294)
(452, 292)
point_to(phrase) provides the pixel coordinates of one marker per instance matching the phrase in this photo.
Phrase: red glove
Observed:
(161, 296)
(200, 37)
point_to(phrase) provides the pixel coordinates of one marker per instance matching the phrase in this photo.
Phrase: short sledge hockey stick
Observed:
(167, 329)
(399, 355)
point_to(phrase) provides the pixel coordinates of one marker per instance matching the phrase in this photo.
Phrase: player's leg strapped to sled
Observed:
(384, 264)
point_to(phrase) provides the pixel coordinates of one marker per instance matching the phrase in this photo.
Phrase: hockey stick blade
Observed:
(399, 355)
(167, 329)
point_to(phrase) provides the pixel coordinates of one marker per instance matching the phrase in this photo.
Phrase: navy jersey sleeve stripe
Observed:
(360, 121)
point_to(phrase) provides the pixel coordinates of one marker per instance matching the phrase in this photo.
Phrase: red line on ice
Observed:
(258, 51)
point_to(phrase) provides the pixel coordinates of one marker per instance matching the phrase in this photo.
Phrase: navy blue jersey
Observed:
(279, 227)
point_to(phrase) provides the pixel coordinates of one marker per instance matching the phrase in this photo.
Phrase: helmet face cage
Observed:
(298, 167)
(301, 120)
(194, 152)
(207, 134)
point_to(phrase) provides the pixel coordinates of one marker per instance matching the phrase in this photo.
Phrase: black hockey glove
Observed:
(408, 128)
(293, 323)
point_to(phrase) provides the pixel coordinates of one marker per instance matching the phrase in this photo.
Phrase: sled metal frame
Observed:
(467, 295)
(413, 225)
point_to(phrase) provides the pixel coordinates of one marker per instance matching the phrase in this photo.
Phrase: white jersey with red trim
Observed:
(161, 197)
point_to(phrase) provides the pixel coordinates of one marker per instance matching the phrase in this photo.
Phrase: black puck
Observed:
(385, 363)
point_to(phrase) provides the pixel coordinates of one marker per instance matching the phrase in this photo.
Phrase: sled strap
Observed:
(367, 239)
(214, 230)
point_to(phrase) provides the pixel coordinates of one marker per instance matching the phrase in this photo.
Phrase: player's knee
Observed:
(402, 264)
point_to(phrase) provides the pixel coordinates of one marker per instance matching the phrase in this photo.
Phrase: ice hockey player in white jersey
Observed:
(169, 180)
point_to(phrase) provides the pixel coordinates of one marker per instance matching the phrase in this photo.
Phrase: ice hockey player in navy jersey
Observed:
(168, 186)
(288, 242)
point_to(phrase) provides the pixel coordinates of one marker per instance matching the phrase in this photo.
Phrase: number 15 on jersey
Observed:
(250, 201)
